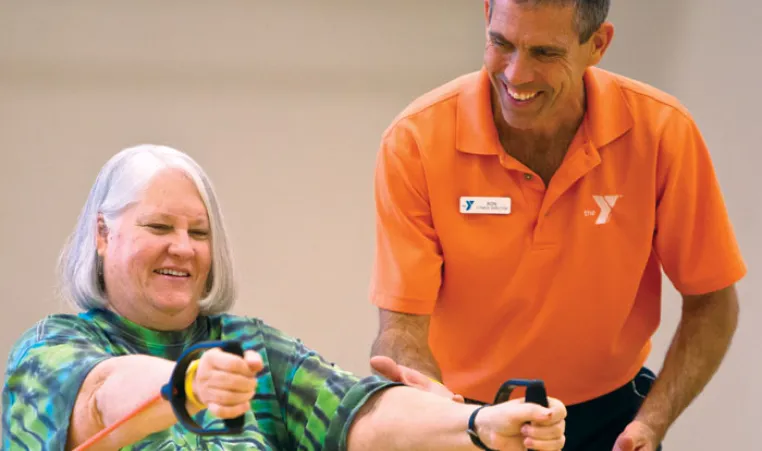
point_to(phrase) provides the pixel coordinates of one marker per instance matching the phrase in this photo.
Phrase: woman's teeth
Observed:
(170, 272)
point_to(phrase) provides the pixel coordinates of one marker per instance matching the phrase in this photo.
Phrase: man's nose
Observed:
(520, 69)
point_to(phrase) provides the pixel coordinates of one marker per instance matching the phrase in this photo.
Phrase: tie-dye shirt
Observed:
(302, 401)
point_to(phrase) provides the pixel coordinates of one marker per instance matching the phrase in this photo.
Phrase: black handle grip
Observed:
(234, 347)
(535, 392)
(174, 390)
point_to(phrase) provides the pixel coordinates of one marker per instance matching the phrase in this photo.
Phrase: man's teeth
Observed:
(170, 272)
(522, 96)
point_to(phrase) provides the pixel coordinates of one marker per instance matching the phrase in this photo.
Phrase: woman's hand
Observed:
(516, 425)
(226, 382)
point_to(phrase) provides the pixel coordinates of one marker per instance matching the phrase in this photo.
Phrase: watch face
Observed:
(477, 441)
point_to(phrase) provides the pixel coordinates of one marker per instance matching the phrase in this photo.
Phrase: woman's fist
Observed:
(226, 382)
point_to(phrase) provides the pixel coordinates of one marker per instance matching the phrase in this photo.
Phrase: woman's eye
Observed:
(159, 227)
(200, 233)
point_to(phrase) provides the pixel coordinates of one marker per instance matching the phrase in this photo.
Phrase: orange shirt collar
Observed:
(607, 117)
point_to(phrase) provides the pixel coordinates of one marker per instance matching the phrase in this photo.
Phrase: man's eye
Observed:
(546, 53)
(160, 227)
(200, 233)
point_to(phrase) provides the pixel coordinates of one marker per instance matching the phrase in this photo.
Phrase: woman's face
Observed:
(157, 256)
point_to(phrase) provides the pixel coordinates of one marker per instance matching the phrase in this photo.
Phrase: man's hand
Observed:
(391, 370)
(637, 436)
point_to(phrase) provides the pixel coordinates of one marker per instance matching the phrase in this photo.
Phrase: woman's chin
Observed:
(177, 305)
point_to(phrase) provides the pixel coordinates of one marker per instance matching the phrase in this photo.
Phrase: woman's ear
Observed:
(101, 236)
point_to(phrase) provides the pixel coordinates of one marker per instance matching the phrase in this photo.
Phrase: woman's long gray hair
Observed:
(119, 184)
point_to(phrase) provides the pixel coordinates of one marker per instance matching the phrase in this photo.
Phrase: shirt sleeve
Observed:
(319, 399)
(407, 267)
(45, 370)
(694, 236)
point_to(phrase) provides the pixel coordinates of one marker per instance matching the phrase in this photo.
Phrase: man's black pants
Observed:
(595, 425)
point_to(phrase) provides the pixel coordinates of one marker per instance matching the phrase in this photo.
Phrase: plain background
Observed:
(283, 103)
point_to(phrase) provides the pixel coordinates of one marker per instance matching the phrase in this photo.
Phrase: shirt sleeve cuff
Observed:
(404, 305)
(355, 399)
(722, 280)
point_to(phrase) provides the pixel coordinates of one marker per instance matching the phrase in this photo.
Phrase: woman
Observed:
(149, 267)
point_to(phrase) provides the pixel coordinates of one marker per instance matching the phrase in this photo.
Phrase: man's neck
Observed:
(549, 139)
(546, 136)
(541, 149)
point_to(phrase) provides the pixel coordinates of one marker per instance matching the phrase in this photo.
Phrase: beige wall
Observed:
(285, 110)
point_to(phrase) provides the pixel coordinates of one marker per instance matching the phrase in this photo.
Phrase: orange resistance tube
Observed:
(104, 432)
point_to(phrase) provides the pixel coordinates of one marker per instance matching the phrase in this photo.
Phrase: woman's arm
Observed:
(115, 387)
(327, 407)
(404, 418)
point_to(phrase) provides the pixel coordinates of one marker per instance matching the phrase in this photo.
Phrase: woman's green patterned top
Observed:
(302, 401)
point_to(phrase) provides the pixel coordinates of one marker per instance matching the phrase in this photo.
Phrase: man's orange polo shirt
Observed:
(566, 286)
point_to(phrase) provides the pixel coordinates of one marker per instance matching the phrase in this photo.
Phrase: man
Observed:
(524, 214)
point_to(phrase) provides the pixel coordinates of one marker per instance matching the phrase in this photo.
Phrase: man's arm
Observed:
(405, 339)
(700, 343)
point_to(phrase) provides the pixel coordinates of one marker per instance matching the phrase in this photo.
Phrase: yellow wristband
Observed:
(189, 376)
(434, 380)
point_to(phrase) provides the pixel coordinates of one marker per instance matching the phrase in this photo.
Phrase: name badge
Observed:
(485, 205)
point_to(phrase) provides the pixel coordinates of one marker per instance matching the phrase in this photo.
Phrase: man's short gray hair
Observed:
(590, 14)
(118, 185)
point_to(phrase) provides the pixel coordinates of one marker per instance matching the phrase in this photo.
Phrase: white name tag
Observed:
(485, 205)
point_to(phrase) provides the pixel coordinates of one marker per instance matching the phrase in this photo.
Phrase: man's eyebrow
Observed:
(497, 36)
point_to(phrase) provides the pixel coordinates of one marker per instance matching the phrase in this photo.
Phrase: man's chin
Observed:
(520, 123)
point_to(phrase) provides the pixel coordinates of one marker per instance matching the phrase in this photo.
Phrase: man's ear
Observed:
(101, 235)
(600, 42)
(486, 11)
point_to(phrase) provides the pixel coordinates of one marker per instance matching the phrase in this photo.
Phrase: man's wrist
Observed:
(653, 420)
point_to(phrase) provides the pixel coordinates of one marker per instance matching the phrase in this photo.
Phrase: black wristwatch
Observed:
(472, 430)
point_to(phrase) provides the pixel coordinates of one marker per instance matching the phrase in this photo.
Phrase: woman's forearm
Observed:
(112, 390)
(403, 418)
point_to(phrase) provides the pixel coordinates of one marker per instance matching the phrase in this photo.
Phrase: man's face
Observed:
(536, 63)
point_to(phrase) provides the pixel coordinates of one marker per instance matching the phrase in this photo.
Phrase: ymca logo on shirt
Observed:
(605, 207)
